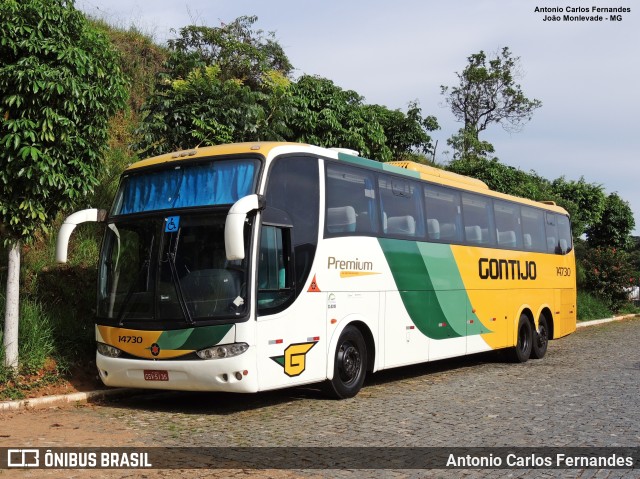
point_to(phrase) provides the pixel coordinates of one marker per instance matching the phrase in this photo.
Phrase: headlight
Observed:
(224, 351)
(109, 351)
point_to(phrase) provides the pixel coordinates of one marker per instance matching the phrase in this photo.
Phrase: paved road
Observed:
(583, 393)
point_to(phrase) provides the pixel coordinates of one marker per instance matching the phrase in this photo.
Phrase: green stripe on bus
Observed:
(439, 310)
(441, 264)
(193, 339)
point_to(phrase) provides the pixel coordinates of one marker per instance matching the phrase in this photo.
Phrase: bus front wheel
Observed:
(521, 352)
(350, 364)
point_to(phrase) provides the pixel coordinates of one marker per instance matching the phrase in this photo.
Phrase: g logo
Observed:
(294, 359)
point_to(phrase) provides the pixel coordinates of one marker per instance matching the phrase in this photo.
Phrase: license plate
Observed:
(156, 375)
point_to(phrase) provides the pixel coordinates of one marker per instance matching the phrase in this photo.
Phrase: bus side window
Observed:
(533, 229)
(443, 214)
(402, 207)
(564, 233)
(508, 228)
(274, 274)
(350, 202)
(478, 219)
(551, 228)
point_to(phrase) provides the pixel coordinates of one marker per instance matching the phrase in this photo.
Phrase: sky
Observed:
(586, 73)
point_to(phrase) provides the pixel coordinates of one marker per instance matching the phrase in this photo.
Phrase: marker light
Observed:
(224, 351)
(109, 351)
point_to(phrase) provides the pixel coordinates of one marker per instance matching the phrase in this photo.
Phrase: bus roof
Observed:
(405, 168)
(262, 147)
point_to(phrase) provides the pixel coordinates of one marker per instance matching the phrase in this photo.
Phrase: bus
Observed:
(255, 266)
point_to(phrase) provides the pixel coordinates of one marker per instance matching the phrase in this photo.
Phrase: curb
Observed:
(584, 324)
(85, 397)
(52, 401)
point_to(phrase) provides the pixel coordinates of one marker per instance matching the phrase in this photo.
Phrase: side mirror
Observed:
(62, 243)
(234, 225)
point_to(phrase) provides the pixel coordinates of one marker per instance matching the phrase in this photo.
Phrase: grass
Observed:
(629, 308)
(36, 347)
(590, 307)
(56, 315)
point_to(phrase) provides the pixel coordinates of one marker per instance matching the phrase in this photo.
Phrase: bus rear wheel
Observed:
(540, 339)
(350, 364)
(521, 352)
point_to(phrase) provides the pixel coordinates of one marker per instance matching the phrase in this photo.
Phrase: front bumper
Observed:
(235, 374)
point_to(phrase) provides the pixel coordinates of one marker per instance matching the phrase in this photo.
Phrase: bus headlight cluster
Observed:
(109, 351)
(224, 351)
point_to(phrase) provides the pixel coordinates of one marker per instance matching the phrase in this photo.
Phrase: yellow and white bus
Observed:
(249, 267)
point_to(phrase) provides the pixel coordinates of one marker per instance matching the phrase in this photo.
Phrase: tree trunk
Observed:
(12, 308)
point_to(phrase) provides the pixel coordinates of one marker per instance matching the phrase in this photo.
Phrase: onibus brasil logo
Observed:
(294, 358)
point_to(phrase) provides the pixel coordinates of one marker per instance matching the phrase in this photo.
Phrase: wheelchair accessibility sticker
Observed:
(172, 224)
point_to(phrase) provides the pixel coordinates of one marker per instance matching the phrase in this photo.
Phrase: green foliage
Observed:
(231, 84)
(608, 274)
(466, 145)
(591, 307)
(584, 202)
(504, 178)
(240, 52)
(405, 134)
(634, 256)
(222, 84)
(50, 324)
(36, 335)
(139, 59)
(59, 84)
(326, 115)
(202, 109)
(614, 225)
(487, 93)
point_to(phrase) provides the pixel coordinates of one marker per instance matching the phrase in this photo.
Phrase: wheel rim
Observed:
(542, 337)
(349, 362)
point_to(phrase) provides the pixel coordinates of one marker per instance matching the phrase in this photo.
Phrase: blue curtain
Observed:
(209, 184)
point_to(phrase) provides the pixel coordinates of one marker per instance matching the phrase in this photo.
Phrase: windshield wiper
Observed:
(178, 286)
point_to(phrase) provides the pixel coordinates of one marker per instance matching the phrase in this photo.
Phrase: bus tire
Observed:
(350, 364)
(521, 352)
(540, 339)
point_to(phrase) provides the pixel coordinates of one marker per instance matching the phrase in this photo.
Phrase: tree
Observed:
(59, 84)
(220, 85)
(504, 178)
(326, 115)
(232, 83)
(240, 51)
(201, 110)
(406, 133)
(584, 201)
(614, 226)
(608, 273)
(487, 94)
(466, 145)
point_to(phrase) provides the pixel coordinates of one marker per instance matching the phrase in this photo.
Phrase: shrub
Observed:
(590, 307)
(608, 274)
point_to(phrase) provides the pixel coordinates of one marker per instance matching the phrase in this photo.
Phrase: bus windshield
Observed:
(169, 269)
